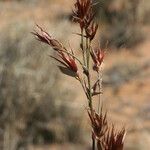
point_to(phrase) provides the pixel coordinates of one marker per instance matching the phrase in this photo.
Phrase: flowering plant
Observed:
(104, 135)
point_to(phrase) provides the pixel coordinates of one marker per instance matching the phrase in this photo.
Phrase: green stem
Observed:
(90, 93)
(88, 45)
(86, 61)
(82, 46)
(100, 88)
(88, 75)
(88, 52)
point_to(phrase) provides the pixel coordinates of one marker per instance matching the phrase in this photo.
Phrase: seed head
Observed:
(99, 123)
(66, 59)
(97, 57)
(44, 37)
(113, 140)
(91, 30)
(83, 13)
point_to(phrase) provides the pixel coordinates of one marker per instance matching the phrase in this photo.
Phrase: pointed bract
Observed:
(64, 57)
(99, 123)
(97, 57)
(114, 140)
(83, 13)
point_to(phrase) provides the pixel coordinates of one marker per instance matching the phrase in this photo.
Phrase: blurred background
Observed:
(41, 109)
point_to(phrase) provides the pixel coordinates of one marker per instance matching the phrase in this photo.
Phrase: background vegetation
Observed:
(39, 106)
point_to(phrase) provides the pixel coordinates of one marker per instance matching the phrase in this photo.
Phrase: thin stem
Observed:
(100, 89)
(88, 52)
(93, 144)
(90, 93)
(81, 82)
(88, 75)
(82, 46)
(86, 61)
(100, 148)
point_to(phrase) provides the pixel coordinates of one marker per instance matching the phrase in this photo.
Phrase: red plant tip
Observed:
(66, 59)
(97, 57)
(82, 13)
(68, 62)
(44, 37)
(114, 140)
(99, 123)
(91, 31)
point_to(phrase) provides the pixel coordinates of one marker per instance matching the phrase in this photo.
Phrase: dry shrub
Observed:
(32, 108)
(123, 22)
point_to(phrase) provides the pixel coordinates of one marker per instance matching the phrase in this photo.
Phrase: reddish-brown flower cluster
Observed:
(99, 124)
(113, 140)
(91, 31)
(83, 14)
(97, 57)
(44, 37)
(106, 136)
(65, 58)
